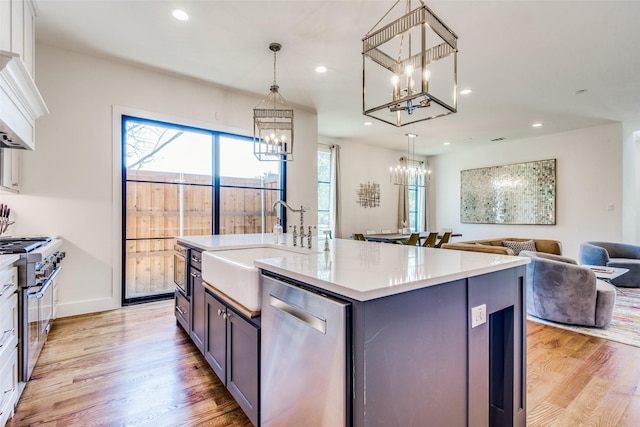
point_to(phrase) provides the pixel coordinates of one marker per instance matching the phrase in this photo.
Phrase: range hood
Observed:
(20, 103)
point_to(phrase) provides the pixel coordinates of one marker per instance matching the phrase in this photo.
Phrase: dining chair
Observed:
(445, 239)
(413, 239)
(431, 239)
(358, 236)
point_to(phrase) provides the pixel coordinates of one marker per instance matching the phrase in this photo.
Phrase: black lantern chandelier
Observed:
(409, 67)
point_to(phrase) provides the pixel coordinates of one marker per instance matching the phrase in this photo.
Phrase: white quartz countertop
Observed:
(365, 270)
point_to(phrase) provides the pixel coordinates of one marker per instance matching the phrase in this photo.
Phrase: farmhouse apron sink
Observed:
(232, 271)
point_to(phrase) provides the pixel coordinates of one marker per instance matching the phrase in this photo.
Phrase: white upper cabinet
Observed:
(17, 31)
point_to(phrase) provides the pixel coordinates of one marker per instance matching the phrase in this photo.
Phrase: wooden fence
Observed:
(161, 206)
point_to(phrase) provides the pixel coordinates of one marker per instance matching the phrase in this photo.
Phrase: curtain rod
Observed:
(329, 145)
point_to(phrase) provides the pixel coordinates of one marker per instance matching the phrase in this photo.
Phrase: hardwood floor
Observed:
(135, 367)
(128, 367)
(578, 380)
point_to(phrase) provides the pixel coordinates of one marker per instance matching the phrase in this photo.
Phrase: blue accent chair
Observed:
(610, 254)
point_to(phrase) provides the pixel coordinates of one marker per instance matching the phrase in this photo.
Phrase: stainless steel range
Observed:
(38, 266)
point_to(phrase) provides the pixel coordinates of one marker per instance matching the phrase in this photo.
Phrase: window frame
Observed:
(325, 151)
(215, 186)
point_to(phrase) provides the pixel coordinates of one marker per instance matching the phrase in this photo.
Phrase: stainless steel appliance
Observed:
(181, 268)
(305, 357)
(38, 266)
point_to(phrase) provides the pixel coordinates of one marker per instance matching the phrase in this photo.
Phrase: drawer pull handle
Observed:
(196, 260)
(180, 310)
(11, 390)
(4, 334)
(5, 287)
(195, 274)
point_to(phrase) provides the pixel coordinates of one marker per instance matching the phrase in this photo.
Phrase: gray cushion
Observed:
(528, 245)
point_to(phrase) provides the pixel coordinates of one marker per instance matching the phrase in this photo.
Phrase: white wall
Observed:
(589, 179)
(70, 183)
(631, 182)
(362, 163)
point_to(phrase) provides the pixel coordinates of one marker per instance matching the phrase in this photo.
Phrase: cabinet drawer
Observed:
(195, 259)
(183, 310)
(8, 325)
(8, 282)
(8, 386)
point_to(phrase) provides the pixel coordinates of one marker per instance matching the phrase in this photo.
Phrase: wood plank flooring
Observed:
(129, 367)
(135, 367)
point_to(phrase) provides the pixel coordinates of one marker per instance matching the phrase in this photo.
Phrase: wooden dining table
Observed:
(398, 237)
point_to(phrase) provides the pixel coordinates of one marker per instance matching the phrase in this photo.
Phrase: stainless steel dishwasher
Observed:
(305, 358)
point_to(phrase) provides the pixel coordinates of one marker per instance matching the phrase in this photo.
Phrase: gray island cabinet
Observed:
(374, 334)
(433, 338)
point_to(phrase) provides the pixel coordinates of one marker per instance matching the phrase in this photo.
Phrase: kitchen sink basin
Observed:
(232, 272)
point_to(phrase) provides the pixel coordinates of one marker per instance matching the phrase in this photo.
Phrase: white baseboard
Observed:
(88, 306)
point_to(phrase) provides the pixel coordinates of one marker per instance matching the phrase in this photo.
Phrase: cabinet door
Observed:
(215, 341)
(243, 355)
(8, 385)
(183, 310)
(5, 28)
(10, 169)
(17, 27)
(197, 309)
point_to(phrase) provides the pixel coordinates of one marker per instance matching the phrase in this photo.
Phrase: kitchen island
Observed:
(431, 337)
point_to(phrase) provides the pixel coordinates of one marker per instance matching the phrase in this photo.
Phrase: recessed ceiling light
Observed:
(537, 125)
(180, 15)
(465, 92)
(446, 143)
(368, 123)
(321, 69)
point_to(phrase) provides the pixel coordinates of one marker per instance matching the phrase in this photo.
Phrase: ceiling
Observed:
(523, 60)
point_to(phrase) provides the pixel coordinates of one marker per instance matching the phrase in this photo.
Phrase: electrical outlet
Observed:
(478, 315)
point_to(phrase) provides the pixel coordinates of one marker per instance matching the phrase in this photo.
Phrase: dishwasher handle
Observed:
(308, 318)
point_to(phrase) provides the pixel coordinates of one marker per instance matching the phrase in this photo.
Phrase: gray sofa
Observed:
(611, 254)
(560, 290)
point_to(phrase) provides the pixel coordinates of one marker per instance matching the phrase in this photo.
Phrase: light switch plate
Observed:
(478, 315)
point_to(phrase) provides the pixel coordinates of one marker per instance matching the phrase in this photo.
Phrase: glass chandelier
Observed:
(409, 67)
(273, 123)
(410, 172)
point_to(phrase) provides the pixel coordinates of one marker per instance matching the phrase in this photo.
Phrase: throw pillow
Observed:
(528, 245)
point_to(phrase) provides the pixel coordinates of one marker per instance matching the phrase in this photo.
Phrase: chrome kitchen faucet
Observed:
(301, 211)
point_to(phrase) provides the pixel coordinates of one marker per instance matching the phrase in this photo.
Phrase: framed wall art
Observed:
(521, 193)
(368, 195)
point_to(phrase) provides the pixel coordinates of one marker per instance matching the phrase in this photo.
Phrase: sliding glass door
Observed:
(181, 181)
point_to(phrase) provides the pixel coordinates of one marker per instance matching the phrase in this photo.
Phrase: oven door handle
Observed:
(39, 294)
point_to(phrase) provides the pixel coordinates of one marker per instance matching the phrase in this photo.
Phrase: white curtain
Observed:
(403, 201)
(423, 203)
(423, 211)
(335, 204)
